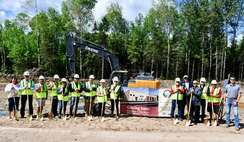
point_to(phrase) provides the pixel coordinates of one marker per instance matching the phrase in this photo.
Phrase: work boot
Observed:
(59, 116)
(227, 126)
(237, 129)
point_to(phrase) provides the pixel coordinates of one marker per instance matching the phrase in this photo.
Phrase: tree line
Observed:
(194, 37)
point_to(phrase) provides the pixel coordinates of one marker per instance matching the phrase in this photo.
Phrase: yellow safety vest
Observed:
(73, 85)
(30, 84)
(216, 92)
(114, 93)
(88, 86)
(61, 97)
(53, 91)
(180, 95)
(205, 88)
(44, 91)
(101, 99)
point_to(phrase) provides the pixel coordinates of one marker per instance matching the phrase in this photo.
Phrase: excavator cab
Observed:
(122, 75)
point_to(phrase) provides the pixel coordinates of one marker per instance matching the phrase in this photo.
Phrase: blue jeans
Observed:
(229, 103)
(173, 108)
(72, 103)
(60, 106)
(203, 103)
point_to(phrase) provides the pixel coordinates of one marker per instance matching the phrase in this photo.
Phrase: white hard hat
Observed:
(102, 80)
(26, 73)
(213, 82)
(177, 79)
(116, 78)
(64, 80)
(185, 76)
(91, 76)
(56, 76)
(202, 79)
(76, 76)
(41, 77)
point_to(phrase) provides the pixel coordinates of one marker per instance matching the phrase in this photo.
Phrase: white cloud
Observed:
(239, 38)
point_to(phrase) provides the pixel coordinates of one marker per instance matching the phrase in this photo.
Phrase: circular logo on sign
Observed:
(166, 94)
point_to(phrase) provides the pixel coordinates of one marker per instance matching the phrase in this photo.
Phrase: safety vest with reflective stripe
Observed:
(174, 96)
(88, 86)
(42, 94)
(60, 96)
(102, 91)
(53, 91)
(30, 84)
(73, 85)
(114, 93)
(205, 88)
(216, 92)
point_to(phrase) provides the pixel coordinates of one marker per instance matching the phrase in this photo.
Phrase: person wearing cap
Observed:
(26, 87)
(90, 89)
(177, 88)
(63, 91)
(53, 87)
(41, 94)
(115, 92)
(186, 84)
(214, 97)
(75, 89)
(195, 101)
(232, 96)
(205, 91)
(102, 93)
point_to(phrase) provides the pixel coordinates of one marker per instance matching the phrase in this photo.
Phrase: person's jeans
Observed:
(60, 106)
(229, 104)
(72, 103)
(54, 106)
(203, 103)
(173, 108)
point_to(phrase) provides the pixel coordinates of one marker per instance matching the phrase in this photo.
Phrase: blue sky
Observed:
(131, 8)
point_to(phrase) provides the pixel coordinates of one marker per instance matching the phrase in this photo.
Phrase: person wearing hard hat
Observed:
(214, 97)
(26, 87)
(186, 84)
(177, 88)
(75, 92)
(63, 91)
(102, 93)
(115, 92)
(205, 91)
(53, 87)
(90, 89)
(195, 101)
(41, 95)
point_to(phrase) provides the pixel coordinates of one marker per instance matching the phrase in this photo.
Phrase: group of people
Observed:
(60, 93)
(204, 97)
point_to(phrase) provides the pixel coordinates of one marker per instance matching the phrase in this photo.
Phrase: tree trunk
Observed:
(102, 68)
(226, 45)
(242, 71)
(202, 56)
(38, 37)
(81, 34)
(211, 57)
(222, 60)
(4, 59)
(216, 69)
(167, 74)
(177, 64)
(192, 76)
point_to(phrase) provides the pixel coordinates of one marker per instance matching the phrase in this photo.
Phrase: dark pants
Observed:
(196, 110)
(55, 106)
(173, 108)
(203, 103)
(23, 102)
(100, 109)
(87, 104)
(60, 106)
(112, 106)
(72, 103)
(184, 103)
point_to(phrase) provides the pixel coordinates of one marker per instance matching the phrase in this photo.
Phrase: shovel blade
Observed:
(65, 118)
(188, 123)
(16, 118)
(42, 118)
(117, 118)
(206, 122)
(89, 118)
(175, 120)
(50, 115)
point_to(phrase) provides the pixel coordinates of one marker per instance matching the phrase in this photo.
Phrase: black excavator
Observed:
(101, 51)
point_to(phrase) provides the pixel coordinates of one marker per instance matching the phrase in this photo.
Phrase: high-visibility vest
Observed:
(216, 92)
(88, 86)
(102, 91)
(53, 91)
(30, 84)
(114, 93)
(73, 85)
(180, 95)
(204, 94)
(60, 96)
(44, 91)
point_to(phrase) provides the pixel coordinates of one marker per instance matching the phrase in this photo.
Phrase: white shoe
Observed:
(9, 117)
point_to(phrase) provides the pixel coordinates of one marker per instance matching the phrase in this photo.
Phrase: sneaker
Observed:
(59, 116)
(9, 117)
(217, 123)
(237, 129)
(180, 119)
(195, 123)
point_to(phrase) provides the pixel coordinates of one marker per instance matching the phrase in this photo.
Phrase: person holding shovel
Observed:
(63, 96)
(115, 91)
(102, 93)
(196, 93)
(214, 100)
(75, 92)
(41, 95)
(176, 89)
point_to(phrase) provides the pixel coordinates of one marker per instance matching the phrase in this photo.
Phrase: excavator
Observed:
(141, 81)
